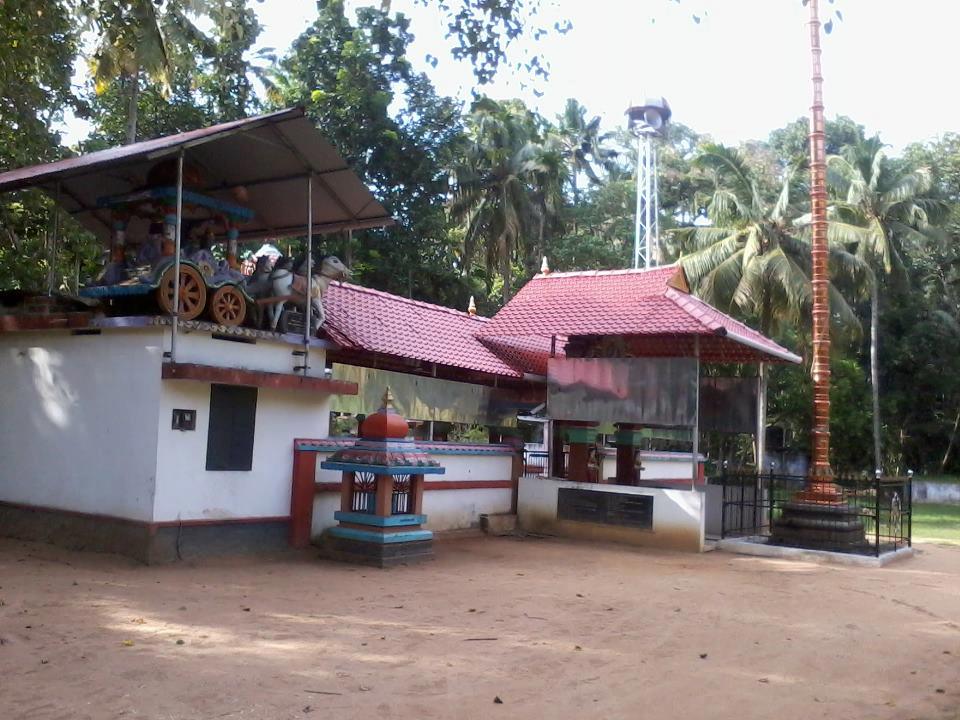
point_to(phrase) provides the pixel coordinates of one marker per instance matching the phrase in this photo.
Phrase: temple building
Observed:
(176, 406)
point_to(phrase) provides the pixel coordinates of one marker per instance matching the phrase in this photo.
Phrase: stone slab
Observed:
(758, 546)
(498, 523)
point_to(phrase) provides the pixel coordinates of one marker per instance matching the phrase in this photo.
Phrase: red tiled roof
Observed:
(651, 303)
(373, 321)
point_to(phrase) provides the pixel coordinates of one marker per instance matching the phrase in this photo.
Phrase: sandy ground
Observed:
(554, 629)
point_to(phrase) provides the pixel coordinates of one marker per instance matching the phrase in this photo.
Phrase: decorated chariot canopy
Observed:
(162, 205)
(255, 166)
(382, 447)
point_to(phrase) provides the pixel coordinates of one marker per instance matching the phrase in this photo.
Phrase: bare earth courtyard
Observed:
(553, 629)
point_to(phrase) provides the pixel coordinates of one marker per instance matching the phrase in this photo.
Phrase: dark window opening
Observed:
(233, 412)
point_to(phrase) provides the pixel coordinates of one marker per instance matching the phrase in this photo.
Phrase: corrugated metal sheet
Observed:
(268, 156)
(647, 391)
(423, 398)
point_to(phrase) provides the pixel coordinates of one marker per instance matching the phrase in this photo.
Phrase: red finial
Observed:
(385, 424)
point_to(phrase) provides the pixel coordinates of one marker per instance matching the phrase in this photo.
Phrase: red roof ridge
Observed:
(605, 273)
(411, 301)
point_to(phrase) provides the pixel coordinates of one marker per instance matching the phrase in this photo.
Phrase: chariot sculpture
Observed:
(138, 274)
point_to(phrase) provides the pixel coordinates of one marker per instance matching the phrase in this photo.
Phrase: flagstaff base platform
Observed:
(759, 546)
(819, 526)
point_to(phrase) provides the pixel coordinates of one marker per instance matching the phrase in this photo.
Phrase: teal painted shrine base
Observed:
(358, 518)
(378, 541)
(380, 538)
(354, 546)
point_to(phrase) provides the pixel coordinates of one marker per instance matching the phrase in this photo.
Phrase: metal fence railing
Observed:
(753, 503)
(535, 462)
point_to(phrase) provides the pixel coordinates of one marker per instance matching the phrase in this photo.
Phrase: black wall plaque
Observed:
(607, 508)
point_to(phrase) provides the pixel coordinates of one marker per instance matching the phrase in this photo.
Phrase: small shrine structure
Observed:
(381, 494)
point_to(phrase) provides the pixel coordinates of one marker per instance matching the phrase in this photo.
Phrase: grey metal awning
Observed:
(268, 156)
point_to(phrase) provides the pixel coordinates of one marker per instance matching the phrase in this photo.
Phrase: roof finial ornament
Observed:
(544, 266)
(472, 307)
(387, 399)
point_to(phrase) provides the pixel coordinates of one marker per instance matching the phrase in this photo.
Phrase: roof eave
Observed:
(781, 354)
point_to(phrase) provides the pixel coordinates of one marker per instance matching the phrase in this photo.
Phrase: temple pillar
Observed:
(384, 506)
(557, 437)
(628, 441)
(581, 438)
(416, 494)
(346, 491)
(232, 235)
(118, 241)
(169, 243)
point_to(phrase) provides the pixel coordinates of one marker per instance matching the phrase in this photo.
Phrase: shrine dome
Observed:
(385, 424)
(382, 447)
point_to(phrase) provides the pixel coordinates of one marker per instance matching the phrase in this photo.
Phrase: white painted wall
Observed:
(266, 355)
(187, 491)
(461, 509)
(935, 492)
(445, 509)
(78, 421)
(678, 515)
(656, 465)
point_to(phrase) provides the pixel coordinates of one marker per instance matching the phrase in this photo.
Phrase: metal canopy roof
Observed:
(269, 156)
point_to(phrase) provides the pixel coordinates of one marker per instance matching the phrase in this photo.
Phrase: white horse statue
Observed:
(286, 283)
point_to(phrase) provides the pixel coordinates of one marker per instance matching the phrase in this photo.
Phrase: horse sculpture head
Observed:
(333, 268)
(263, 265)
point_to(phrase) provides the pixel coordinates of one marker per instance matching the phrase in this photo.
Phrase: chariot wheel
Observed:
(193, 292)
(228, 306)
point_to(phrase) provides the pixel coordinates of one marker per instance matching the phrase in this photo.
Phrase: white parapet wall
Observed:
(657, 466)
(200, 347)
(677, 522)
(78, 421)
(457, 506)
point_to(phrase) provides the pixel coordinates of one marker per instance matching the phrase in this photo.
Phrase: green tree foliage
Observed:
(880, 207)
(750, 260)
(36, 58)
(391, 126)
(137, 41)
(583, 147)
(226, 82)
(791, 144)
(482, 193)
(508, 186)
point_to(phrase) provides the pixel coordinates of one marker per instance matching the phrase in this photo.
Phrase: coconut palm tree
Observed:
(582, 145)
(136, 38)
(878, 208)
(750, 259)
(506, 185)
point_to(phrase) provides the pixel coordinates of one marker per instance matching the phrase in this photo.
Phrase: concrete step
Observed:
(498, 523)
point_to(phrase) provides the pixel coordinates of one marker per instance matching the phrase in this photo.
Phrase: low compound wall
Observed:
(477, 481)
(676, 517)
(936, 492)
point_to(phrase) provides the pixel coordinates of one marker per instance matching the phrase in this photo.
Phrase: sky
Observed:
(739, 73)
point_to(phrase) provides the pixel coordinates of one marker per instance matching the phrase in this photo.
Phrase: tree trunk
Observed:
(953, 439)
(133, 95)
(506, 269)
(875, 369)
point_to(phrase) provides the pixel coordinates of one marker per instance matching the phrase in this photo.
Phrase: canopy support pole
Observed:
(696, 416)
(54, 244)
(761, 444)
(176, 260)
(309, 300)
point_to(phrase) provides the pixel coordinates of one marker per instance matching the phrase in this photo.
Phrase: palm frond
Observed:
(700, 264)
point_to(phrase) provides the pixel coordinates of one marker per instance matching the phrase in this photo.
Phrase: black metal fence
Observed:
(535, 462)
(753, 503)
